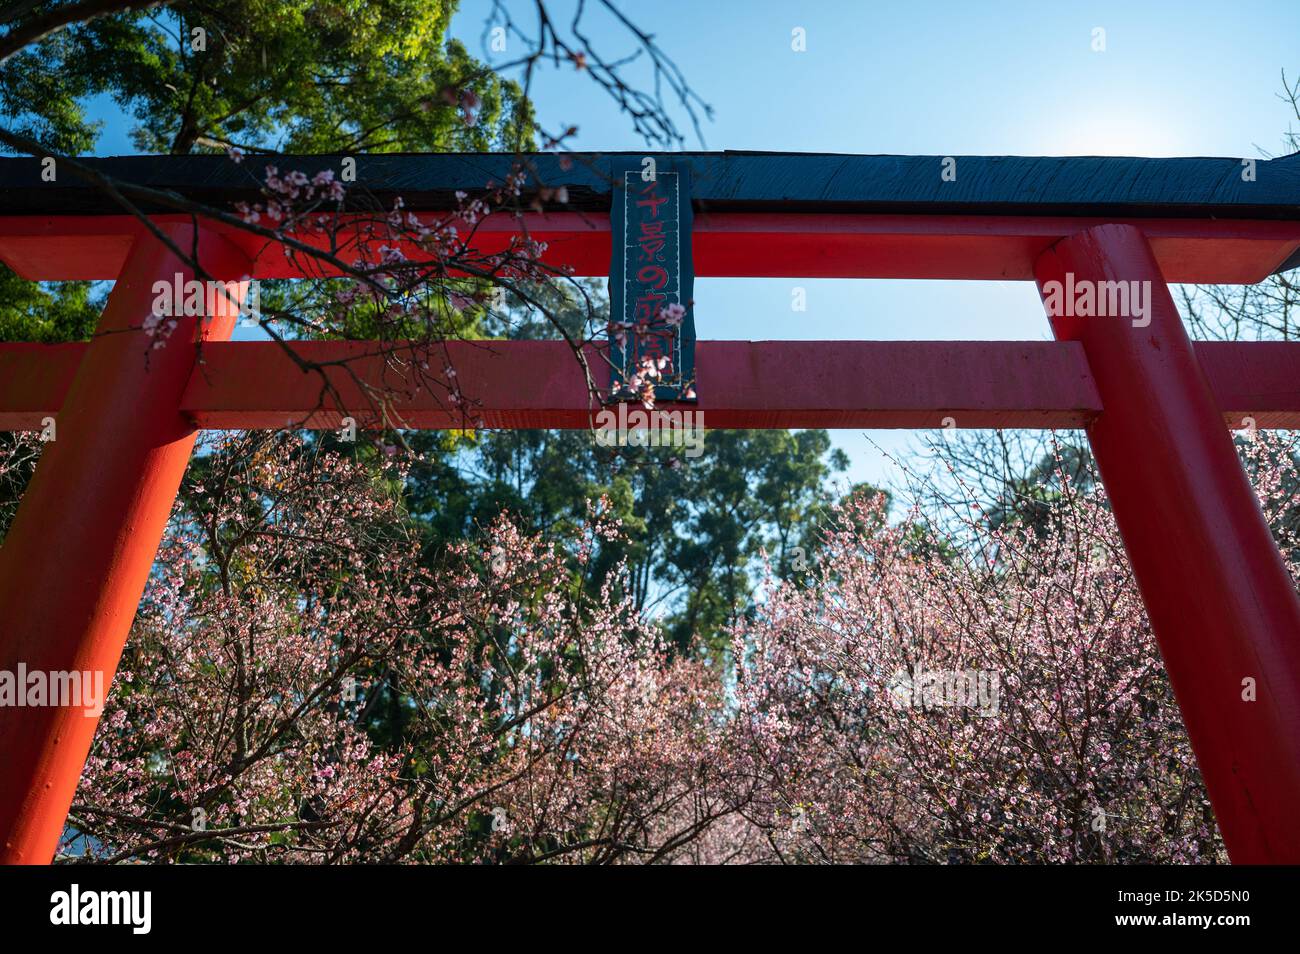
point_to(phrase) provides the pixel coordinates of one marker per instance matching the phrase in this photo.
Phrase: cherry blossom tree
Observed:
(298, 687)
(1078, 754)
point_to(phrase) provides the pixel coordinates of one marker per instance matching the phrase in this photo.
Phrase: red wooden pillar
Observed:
(1224, 609)
(74, 563)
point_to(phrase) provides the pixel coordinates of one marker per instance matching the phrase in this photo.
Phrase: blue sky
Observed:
(942, 78)
(959, 78)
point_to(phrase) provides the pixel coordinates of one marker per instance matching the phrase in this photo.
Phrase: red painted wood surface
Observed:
(728, 244)
(521, 384)
(1221, 602)
(75, 560)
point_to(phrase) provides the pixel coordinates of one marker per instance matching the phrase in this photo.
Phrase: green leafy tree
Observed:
(289, 75)
(48, 312)
(296, 76)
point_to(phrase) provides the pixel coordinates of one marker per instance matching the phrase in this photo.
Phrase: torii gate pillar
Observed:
(76, 559)
(1222, 604)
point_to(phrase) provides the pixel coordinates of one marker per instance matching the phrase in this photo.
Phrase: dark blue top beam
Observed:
(723, 181)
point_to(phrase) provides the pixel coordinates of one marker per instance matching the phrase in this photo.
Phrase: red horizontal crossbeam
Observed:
(726, 244)
(743, 384)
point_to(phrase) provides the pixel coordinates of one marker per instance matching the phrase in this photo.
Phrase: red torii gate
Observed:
(1156, 407)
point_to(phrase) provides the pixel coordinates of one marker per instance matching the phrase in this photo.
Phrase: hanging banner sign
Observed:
(651, 280)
